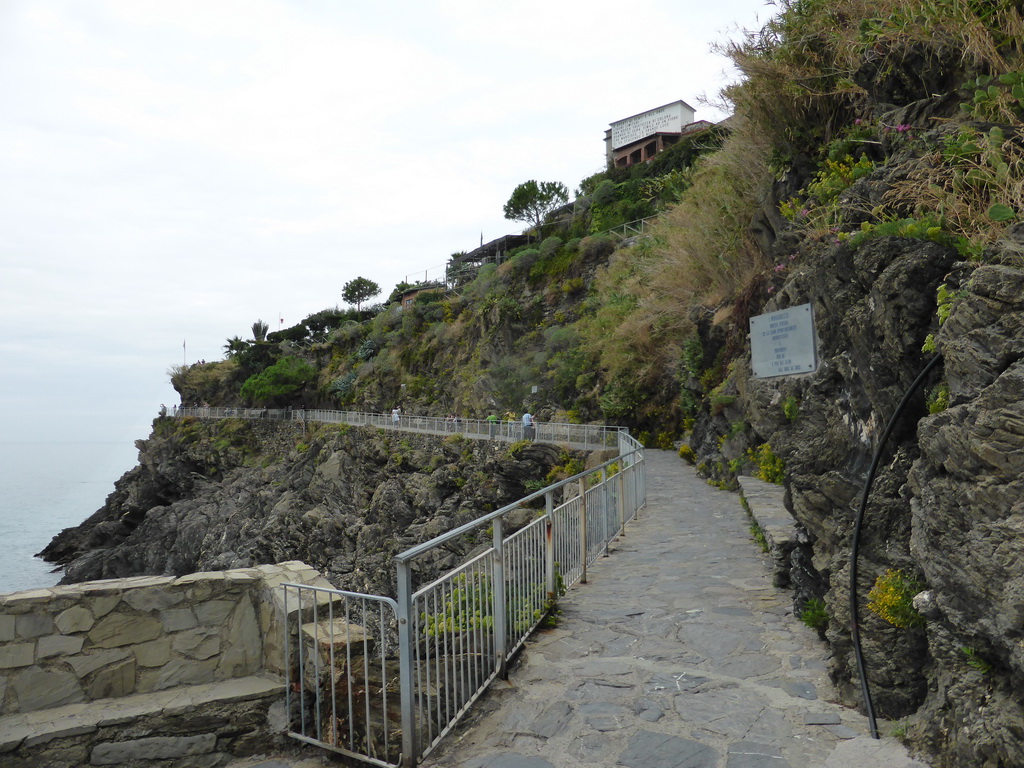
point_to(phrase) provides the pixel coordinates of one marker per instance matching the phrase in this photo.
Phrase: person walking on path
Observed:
(527, 425)
(492, 424)
(396, 414)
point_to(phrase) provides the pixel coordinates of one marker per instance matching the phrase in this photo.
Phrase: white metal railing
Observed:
(637, 227)
(342, 691)
(465, 626)
(587, 437)
(455, 634)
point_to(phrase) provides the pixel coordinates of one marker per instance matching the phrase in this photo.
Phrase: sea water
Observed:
(46, 487)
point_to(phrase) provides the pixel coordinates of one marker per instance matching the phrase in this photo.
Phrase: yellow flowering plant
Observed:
(892, 599)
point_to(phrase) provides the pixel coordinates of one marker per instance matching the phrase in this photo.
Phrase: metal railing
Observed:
(466, 625)
(342, 692)
(637, 227)
(588, 437)
(455, 634)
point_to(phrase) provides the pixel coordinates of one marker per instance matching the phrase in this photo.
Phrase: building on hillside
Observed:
(463, 267)
(409, 294)
(639, 138)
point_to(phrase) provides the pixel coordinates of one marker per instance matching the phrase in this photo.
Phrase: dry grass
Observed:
(800, 67)
(701, 253)
(709, 253)
(202, 376)
(960, 187)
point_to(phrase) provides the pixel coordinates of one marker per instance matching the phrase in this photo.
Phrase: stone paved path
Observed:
(679, 653)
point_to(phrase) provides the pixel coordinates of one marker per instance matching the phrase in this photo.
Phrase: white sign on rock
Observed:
(783, 343)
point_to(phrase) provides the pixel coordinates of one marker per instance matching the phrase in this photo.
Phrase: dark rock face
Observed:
(967, 496)
(219, 495)
(873, 309)
(946, 504)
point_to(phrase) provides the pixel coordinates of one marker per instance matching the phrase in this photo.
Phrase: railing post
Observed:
(583, 527)
(637, 468)
(622, 501)
(288, 667)
(549, 546)
(405, 664)
(605, 493)
(500, 631)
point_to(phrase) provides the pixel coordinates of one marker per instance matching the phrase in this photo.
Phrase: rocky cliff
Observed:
(217, 495)
(865, 235)
(945, 508)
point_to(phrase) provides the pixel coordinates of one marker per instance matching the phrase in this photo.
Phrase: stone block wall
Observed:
(113, 638)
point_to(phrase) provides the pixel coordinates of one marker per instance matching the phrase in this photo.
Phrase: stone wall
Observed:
(114, 638)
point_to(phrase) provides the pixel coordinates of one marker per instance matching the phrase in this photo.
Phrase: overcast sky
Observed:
(173, 170)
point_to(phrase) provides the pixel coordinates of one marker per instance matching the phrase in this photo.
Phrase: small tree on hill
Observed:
(235, 346)
(259, 330)
(532, 201)
(359, 290)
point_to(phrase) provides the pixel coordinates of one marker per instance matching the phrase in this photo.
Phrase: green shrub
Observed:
(549, 246)
(693, 357)
(604, 194)
(554, 266)
(791, 408)
(938, 398)
(769, 467)
(286, 376)
(975, 660)
(815, 614)
(519, 266)
(597, 247)
(619, 400)
(926, 228)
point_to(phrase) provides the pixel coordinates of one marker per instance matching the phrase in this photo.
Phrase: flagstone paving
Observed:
(678, 653)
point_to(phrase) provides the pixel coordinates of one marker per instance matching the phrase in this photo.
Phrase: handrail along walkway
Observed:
(588, 437)
(384, 680)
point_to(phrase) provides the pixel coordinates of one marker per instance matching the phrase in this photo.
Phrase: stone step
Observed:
(197, 724)
(767, 505)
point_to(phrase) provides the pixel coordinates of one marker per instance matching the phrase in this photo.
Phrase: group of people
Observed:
(452, 423)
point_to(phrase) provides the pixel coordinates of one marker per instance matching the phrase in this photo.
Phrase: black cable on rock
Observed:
(854, 615)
